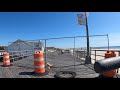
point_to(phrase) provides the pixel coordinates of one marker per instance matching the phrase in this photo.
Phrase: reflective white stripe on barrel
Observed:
(6, 61)
(39, 66)
(38, 59)
(5, 56)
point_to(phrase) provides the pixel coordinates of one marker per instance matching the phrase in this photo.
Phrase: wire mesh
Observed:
(65, 53)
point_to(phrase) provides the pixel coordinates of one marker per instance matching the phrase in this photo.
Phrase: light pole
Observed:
(81, 22)
(88, 58)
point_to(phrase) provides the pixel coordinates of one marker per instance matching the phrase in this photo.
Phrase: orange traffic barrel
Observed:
(6, 59)
(109, 54)
(110, 73)
(39, 66)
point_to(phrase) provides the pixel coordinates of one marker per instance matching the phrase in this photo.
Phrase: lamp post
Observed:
(81, 22)
(88, 58)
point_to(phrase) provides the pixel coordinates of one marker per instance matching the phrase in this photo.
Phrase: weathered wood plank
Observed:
(22, 68)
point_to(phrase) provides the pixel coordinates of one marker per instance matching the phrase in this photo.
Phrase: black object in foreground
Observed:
(107, 64)
(65, 74)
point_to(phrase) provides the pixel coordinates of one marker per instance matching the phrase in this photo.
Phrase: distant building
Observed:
(21, 45)
(50, 49)
(2, 47)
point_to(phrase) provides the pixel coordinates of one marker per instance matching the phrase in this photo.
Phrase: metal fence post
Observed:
(45, 53)
(84, 53)
(108, 41)
(95, 55)
(74, 52)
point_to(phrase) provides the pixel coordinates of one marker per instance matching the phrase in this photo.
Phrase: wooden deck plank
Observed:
(60, 62)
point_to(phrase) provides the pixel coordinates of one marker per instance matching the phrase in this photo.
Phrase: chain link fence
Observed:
(64, 53)
(67, 52)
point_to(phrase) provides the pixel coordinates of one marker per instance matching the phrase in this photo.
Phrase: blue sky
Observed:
(37, 25)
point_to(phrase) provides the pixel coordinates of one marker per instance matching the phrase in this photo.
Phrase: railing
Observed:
(2, 50)
(19, 54)
(104, 51)
(80, 54)
(96, 53)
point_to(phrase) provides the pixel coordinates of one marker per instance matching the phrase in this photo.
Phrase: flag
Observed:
(87, 14)
(81, 19)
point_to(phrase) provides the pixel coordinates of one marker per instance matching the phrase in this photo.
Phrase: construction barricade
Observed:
(6, 59)
(39, 64)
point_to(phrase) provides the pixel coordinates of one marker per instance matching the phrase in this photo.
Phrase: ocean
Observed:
(106, 47)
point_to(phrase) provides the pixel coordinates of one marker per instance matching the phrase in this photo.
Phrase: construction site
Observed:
(58, 57)
(58, 62)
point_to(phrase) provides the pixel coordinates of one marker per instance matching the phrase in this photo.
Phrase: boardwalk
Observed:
(23, 68)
